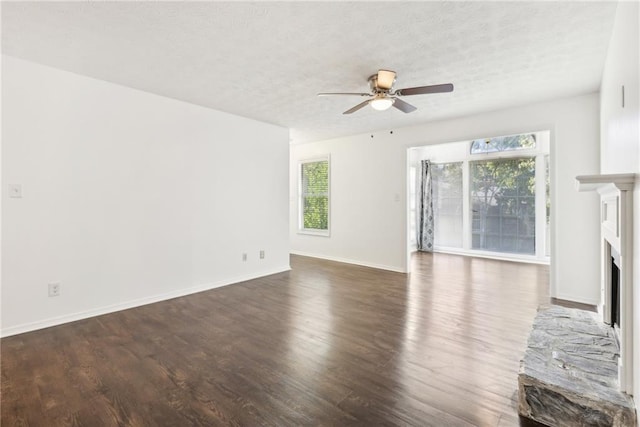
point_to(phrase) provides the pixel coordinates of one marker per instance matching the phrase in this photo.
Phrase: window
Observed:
(504, 143)
(491, 196)
(503, 205)
(314, 196)
(447, 203)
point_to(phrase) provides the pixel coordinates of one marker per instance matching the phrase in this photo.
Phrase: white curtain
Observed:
(424, 208)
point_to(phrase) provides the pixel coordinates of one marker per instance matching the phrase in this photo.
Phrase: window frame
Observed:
(301, 228)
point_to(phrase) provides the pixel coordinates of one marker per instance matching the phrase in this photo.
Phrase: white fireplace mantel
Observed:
(616, 225)
(605, 183)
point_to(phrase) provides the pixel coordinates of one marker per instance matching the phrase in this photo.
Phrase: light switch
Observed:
(15, 191)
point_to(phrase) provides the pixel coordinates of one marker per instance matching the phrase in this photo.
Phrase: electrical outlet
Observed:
(15, 191)
(54, 289)
(262, 254)
(244, 257)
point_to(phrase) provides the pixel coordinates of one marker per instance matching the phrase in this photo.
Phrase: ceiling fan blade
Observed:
(405, 107)
(357, 107)
(421, 90)
(386, 79)
(343, 93)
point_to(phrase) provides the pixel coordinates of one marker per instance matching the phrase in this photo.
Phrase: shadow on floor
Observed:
(526, 422)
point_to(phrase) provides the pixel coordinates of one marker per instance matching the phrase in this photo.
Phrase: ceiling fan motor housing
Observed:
(373, 85)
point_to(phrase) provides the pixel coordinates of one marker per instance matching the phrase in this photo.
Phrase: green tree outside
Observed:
(503, 198)
(315, 195)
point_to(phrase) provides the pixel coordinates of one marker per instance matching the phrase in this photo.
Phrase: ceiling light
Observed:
(381, 103)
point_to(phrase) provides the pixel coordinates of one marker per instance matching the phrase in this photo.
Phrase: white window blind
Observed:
(447, 204)
(314, 196)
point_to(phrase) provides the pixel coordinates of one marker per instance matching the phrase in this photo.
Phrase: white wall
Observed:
(129, 197)
(620, 145)
(368, 189)
(620, 150)
(367, 201)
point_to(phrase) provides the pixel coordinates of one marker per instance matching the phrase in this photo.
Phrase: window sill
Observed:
(502, 256)
(323, 233)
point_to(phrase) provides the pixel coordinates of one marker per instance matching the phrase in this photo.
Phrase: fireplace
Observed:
(578, 366)
(616, 226)
(615, 291)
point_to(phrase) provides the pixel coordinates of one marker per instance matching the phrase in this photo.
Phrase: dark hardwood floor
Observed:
(324, 344)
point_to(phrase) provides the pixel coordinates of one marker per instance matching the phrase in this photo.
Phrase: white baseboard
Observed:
(573, 298)
(351, 261)
(59, 320)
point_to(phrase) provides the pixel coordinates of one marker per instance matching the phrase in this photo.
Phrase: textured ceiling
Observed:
(267, 61)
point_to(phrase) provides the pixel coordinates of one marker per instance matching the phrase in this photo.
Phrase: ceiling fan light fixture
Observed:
(382, 103)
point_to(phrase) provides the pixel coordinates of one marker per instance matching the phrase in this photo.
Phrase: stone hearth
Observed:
(569, 374)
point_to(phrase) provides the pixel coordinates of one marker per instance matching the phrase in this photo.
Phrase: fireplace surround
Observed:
(616, 230)
(577, 369)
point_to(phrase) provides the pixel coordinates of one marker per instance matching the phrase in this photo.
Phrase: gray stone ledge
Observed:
(569, 373)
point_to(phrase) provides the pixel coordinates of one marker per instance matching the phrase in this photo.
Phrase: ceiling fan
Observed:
(382, 95)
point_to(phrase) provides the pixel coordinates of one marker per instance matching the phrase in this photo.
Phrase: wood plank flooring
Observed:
(324, 344)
